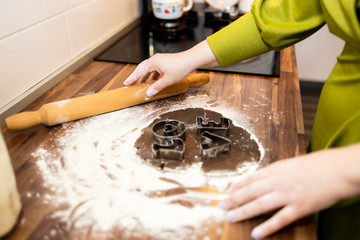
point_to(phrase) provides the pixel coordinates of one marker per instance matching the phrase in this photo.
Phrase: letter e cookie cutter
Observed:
(220, 128)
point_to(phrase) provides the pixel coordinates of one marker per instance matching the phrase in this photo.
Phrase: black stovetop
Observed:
(144, 41)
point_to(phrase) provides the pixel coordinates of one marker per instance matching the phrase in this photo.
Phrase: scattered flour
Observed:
(61, 103)
(98, 180)
(62, 119)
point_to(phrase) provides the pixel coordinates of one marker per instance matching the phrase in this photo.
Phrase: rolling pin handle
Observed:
(23, 120)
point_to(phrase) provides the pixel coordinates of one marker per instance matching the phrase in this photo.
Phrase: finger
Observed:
(261, 205)
(278, 221)
(246, 194)
(144, 78)
(158, 86)
(155, 76)
(140, 71)
(247, 179)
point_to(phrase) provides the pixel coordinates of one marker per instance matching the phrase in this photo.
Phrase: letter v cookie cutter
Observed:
(214, 139)
(169, 136)
(212, 145)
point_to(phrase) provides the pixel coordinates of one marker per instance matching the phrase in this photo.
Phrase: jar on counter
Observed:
(10, 205)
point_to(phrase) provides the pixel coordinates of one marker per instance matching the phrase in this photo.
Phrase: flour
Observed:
(98, 180)
(61, 119)
(61, 103)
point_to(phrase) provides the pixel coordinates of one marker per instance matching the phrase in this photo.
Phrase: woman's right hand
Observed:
(172, 68)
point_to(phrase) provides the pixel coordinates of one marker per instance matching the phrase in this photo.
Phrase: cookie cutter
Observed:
(166, 130)
(173, 150)
(212, 145)
(221, 128)
(169, 136)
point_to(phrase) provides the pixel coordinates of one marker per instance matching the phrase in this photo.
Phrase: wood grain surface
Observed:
(272, 106)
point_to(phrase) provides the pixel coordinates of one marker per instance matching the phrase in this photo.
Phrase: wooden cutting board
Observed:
(280, 129)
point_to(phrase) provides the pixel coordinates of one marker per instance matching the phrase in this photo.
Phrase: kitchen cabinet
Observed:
(272, 106)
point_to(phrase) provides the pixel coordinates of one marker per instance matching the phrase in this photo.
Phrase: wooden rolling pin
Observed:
(81, 107)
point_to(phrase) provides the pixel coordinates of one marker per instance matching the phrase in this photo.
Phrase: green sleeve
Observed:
(271, 24)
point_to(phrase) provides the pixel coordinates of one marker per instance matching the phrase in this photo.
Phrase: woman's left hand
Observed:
(295, 187)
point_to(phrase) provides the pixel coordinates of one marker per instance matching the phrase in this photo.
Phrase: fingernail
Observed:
(222, 205)
(230, 216)
(151, 92)
(129, 79)
(256, 233)
(229, 190)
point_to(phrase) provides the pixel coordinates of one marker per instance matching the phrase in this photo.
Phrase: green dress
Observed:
(276, 24)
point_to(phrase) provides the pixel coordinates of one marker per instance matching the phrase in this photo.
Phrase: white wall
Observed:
(38, 37)
(316, 55)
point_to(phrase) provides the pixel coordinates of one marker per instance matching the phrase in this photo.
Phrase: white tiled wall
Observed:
(17, 15)
(37, 37)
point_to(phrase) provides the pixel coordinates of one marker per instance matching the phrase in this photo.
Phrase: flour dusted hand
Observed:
(298, 187)
(172, 68)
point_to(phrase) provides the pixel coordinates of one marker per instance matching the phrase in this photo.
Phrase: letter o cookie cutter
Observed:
(166, 130)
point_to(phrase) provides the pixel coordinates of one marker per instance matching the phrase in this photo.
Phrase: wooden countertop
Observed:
(278, 124)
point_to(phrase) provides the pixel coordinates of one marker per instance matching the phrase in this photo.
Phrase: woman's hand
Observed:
(172, 68)
(295, 187)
